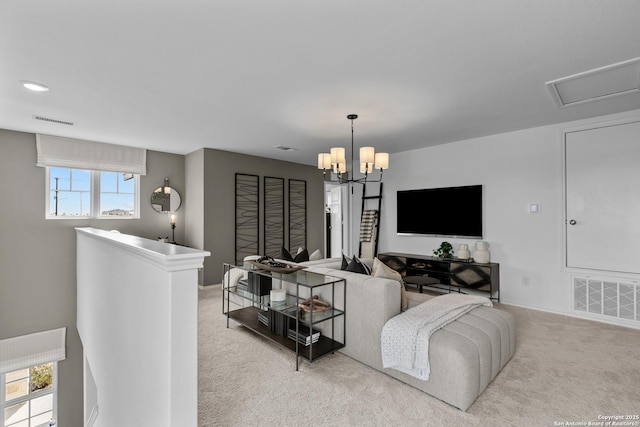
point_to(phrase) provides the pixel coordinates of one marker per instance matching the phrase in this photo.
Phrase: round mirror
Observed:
(165, 199)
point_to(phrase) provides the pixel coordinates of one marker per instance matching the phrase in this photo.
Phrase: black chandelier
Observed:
(335, 161)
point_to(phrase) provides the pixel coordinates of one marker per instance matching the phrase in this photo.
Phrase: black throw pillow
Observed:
(356, 266)
(302, 256)
(345, 262)
(285, 255)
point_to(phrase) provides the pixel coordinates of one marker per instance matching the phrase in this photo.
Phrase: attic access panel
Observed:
(613, 80)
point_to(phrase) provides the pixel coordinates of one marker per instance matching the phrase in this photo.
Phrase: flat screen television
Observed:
(451, 211)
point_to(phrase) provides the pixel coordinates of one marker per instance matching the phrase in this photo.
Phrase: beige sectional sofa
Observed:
(465, 356)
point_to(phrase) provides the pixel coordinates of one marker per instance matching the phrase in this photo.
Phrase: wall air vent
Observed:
(50, 120)
(607, 298)
(617, 79)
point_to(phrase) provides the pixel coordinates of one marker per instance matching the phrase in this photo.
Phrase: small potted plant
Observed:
(444, 251)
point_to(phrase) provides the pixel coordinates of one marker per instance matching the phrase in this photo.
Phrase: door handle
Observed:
(572, 222)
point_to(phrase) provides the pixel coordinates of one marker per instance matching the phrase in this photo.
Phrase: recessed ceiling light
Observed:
(36, 87)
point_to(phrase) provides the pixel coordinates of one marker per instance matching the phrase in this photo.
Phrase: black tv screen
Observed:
(451, 211)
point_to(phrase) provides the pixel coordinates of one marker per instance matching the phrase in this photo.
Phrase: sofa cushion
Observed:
(380, 269)
(315, 255)
(333, 263)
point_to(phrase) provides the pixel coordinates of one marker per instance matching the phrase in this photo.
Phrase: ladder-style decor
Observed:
(369, 224)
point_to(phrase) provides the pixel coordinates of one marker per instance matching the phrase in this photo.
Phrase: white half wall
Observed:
(516, 169)
(137, 319)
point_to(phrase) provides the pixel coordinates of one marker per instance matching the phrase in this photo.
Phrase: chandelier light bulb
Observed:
(366, 167)
(367, 154)
(338, 155)
(324, 161)
(382, 160)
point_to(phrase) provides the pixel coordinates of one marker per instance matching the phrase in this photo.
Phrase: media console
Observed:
(454, 274)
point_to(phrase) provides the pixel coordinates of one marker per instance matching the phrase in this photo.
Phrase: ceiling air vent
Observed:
(601, 83)
(284, 148)
(47, 119)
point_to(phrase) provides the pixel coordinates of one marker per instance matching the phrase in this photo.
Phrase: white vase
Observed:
(463, 251)
(482, 254)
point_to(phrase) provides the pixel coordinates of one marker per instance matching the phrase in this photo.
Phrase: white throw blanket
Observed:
(405, 337)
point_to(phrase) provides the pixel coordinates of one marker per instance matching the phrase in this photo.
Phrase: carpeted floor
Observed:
(564, 370)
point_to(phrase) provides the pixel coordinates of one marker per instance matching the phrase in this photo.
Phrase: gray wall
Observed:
(194, 206)
(220, 168)
(38, 256)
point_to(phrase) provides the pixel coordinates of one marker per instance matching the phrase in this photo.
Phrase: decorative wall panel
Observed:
(247, 222)
(297, 214)
(273, 215)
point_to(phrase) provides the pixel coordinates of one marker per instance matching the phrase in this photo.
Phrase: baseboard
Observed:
(569, 314)
(214, 286)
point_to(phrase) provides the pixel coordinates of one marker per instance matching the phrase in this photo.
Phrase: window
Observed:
(78, 193)
(28, 397)
(118, 195)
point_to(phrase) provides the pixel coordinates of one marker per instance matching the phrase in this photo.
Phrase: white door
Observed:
(336, 221)
(603, 198)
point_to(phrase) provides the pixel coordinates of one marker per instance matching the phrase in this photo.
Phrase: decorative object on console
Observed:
(278, 295)
(314, 304)
(269, 264)
(463, 251)
(336, 161)
(246, 262)
(305, 336)
(444, 251)
(258, 284)
(482, 254)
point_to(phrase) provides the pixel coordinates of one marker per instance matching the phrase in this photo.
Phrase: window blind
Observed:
(33, 349)
(80, 154)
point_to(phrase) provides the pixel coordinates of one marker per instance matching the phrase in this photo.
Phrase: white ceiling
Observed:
(247, 75)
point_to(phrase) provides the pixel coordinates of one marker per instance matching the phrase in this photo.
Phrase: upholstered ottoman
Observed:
(466, 355)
